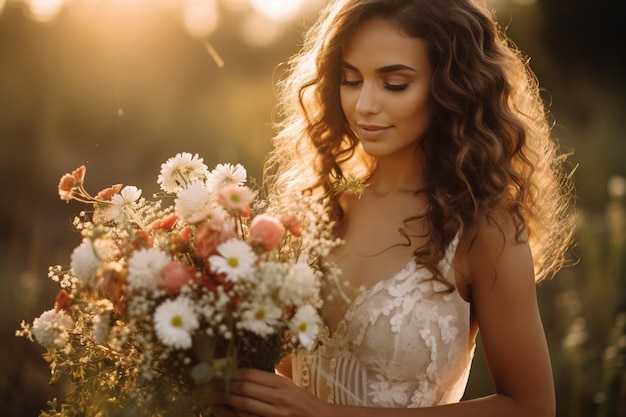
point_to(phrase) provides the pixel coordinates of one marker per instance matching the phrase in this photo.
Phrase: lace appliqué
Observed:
(402, 343)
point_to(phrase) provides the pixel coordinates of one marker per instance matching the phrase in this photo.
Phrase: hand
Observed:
(227, 411)
(208, 398)
(265, 394)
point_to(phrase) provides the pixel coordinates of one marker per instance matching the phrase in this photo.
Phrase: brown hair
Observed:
(489, 146)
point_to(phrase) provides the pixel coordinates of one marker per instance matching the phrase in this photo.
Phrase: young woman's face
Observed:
(386, 88)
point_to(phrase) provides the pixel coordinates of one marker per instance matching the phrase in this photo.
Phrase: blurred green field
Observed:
(122, 90)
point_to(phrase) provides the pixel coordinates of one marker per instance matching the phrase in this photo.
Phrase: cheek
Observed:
(416, 111)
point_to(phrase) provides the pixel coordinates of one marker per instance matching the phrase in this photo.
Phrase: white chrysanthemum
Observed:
(51, 328)
(261, 318)
(236, 259)
(145, 266)
(299, 284)
(174, 321)
(85, 263)
(224, 174)
(180, 171)
(306, 324)
(193, 204)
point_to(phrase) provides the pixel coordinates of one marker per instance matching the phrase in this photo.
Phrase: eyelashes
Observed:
(350, 83)
(390, 87)
(396, 87)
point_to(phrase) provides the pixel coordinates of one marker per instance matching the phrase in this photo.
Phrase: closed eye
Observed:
(396, 87)
(351, 83)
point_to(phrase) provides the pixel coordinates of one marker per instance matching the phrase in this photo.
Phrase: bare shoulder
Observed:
(493, 249)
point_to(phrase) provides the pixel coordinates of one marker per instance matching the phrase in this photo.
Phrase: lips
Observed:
(372, 132)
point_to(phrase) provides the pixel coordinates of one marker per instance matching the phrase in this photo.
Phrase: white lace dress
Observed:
(402, 343)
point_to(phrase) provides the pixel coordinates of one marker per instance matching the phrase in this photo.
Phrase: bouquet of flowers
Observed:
(162, 301)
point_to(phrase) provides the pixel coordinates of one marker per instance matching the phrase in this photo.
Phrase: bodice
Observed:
(405, 342)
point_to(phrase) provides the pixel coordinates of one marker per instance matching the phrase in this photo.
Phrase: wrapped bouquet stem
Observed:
(160, 299)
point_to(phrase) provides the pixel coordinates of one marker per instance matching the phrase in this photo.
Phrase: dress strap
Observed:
(446, 262)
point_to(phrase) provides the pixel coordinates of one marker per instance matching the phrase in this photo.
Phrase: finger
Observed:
(223, 411)
(256, 376)
(248, 406)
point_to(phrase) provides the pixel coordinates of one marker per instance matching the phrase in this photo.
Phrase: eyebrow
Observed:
(382, 70)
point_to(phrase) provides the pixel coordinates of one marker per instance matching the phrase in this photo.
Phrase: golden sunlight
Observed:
(277, 9)
(44, 10)
(200, 16)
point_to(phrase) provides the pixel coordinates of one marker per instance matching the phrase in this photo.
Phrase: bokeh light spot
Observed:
(201, 17)
(44, 10)
(277, 9)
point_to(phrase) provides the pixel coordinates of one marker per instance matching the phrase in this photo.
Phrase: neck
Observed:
(400, 173)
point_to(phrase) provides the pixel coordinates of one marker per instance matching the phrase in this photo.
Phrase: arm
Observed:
(499, 274)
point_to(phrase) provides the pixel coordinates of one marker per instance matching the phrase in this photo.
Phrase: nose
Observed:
(367, 101)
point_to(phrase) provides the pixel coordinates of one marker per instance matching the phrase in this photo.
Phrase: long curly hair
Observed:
(489, 146)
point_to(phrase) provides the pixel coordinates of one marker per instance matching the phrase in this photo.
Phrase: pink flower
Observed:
(266, 231)
(69, 181)
(208, 239)
(292, 223)
(236, 199)
(175, 275)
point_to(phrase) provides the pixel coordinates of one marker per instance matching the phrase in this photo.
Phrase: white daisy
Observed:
(51, 328)
(236, 259)
(261, 318)
(299, 285)
(306, 324)
(125, 198)
(224, 174)
(174, 321)
(85, 263)
(193, 204)
(145, 266)
(128, 194)
(180, 171)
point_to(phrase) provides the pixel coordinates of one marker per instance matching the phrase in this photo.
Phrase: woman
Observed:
(465, 207)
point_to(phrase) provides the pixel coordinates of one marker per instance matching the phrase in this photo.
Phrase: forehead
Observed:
(377, 43)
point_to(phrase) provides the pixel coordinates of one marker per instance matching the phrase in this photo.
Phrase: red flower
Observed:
(166, 223)
(142, 240)
(108, 193)
(63, 301)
